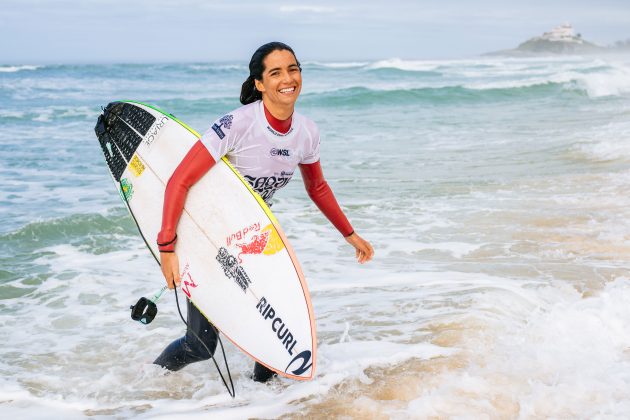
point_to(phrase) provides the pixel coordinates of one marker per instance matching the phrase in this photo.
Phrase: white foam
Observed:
(569, 359)
(14, 69)
(608, 143)
(615, 82)
(338, 65)
(406, 65)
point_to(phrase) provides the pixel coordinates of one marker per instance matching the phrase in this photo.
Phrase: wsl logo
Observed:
(226, 122)
(280, 152)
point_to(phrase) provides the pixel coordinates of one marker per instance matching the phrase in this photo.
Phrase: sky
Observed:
(117, 31)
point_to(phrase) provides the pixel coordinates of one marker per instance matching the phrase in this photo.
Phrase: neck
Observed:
(279, 111)
(278, 123)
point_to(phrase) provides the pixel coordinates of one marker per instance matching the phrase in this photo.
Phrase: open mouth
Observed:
(287, 91)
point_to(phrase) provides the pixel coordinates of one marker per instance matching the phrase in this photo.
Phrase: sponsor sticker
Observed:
(254, 227)
(301, 362)
(187, 281)
(251, 240)
(136, 166)
(232, 269)
(126, 189)
(152, 134)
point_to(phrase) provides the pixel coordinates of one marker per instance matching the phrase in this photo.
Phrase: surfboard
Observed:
(237, 265)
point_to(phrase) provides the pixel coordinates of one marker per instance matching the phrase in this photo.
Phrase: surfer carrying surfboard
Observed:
(265, 140)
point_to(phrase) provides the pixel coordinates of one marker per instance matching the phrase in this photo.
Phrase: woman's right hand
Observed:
(170, 268)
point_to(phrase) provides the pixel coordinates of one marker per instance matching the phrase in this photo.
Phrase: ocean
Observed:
(496, 193)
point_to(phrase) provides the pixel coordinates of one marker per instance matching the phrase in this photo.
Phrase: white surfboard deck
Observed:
(236, 264)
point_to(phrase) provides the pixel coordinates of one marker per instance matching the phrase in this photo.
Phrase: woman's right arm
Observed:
(195, 164)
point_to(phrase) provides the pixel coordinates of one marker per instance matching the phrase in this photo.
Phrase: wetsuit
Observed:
(266, 152)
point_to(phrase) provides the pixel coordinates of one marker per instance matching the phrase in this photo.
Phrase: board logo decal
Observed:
(188, 284)
(135, 166)
(126, 189)
(153, 132)
(285, 336)
(255, 246)
(225, 121)
(305, 356)
(232, 270)
(267, 242)
(254, 227)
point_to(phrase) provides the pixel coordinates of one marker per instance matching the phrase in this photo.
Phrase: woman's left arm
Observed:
(319, 191)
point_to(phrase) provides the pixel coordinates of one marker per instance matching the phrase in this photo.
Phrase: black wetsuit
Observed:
(188, 349)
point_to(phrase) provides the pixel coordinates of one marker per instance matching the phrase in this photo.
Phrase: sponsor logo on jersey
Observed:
(277, 133)
(232, 269)
(266, 186)
(285, 336)
(226, 122)
(280, 152)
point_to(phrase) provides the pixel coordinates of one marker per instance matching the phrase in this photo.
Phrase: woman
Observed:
(265, 140)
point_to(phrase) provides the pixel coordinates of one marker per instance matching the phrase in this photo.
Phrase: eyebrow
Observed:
(279, 68)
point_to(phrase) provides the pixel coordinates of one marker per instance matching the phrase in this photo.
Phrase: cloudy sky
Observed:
(79, 31)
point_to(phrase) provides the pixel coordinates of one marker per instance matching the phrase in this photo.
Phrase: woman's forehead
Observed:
(279, 59)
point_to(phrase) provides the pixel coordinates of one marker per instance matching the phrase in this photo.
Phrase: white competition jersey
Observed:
(266, 158)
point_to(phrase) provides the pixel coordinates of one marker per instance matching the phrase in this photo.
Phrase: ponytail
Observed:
(249, 93)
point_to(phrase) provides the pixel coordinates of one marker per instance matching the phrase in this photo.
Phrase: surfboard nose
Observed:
(120, 130)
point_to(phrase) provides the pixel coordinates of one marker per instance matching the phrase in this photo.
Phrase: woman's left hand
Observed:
(364, 251)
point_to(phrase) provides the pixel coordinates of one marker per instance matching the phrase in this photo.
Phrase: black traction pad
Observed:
(117, 130)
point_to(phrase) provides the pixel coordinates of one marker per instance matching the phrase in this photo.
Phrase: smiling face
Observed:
(281, 83)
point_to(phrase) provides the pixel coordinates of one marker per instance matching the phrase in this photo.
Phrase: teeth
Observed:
(287, 90)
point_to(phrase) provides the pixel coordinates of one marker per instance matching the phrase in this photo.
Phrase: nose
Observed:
(286, 76)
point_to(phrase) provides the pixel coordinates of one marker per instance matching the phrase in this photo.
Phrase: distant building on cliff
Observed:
(562, 33)
(560, 40)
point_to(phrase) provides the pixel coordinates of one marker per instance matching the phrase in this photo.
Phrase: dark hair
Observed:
(249, 93)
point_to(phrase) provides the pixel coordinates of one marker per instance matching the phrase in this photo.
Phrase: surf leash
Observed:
(151, 310)
(145, 309)
(230, 389)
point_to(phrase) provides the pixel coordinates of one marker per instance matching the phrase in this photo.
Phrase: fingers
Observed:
(173, 279)
(170, 278)
(370, 250)
(170, 269)
(365, 252)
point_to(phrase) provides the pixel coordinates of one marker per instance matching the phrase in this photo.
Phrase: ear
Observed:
(259, 85)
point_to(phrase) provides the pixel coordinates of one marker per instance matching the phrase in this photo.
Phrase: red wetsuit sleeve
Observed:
(195, 164)
(321, 194)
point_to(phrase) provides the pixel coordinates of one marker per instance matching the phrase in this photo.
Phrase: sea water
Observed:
(496, 193)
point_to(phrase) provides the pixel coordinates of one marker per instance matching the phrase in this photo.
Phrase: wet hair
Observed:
(249, 93)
